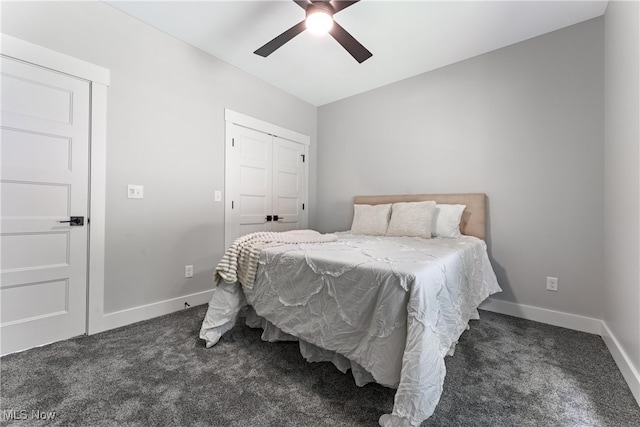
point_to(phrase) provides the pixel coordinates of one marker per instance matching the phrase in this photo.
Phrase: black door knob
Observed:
(75, 221)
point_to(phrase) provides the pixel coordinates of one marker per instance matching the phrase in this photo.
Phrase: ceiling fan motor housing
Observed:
(320, 7)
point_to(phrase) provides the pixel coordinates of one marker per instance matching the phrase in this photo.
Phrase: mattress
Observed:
(392, 306)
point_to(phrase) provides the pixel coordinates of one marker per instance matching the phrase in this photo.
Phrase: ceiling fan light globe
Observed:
(319, 22)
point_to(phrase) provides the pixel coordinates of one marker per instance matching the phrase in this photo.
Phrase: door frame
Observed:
(234, 118)
(99, 79)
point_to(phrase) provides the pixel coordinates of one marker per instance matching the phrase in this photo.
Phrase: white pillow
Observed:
(371, 219)
(446, 220)
(411, 219)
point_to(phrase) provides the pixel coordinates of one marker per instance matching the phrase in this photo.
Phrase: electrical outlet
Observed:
(188, 271)
(552, 284)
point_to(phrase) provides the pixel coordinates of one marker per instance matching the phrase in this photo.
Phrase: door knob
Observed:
(75, 221)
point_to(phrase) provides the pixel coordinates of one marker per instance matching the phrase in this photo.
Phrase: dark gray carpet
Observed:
(506, 372)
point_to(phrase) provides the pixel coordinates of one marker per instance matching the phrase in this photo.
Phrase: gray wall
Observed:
(622, 177)
(166, 132)
(523, 124)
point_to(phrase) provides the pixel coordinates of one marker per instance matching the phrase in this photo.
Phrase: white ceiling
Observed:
(406, 37)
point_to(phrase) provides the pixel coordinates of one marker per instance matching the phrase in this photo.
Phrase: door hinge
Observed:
(233, 142)
(303, 157)
(232, 204)
(303, 206)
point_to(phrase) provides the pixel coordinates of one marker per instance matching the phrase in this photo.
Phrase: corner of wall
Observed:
(630, 374)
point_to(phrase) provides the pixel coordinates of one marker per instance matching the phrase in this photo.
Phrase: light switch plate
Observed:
(135, 191)
(217, 196)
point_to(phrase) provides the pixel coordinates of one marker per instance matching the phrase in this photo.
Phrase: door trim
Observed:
(99, 79)
(233, 117)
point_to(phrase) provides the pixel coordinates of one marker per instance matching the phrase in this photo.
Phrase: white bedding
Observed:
(393, 306)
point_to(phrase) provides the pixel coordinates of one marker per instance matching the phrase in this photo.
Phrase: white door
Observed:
(44, 180)
(249, 182)
(288, 184)
(265, 178)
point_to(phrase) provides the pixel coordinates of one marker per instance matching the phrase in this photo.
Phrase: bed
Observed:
(387, 301)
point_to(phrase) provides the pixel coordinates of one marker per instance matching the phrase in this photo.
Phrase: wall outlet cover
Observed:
(188, 271)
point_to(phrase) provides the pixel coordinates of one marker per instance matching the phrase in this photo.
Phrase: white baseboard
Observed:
(577, 323)
(149, 311)
(629, 372)
(543, 315)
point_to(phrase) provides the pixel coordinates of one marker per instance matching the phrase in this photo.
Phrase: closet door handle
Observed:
(74, 221)
(276, 217)
(269, 218)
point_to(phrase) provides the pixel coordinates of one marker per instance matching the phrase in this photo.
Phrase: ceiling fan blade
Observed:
(353, 46)
(338, 5)
(302, 3)
(277, 42)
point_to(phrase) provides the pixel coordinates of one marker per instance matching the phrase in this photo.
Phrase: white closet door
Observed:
(44, 180)
(265, 176)
(288, 184)
(248, 182)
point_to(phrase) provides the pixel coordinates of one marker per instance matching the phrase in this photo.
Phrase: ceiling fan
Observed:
(319, 18)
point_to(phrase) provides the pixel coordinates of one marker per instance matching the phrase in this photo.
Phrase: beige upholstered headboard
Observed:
(473, 221)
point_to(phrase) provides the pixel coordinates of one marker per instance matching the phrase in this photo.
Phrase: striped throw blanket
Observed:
(240, 261)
